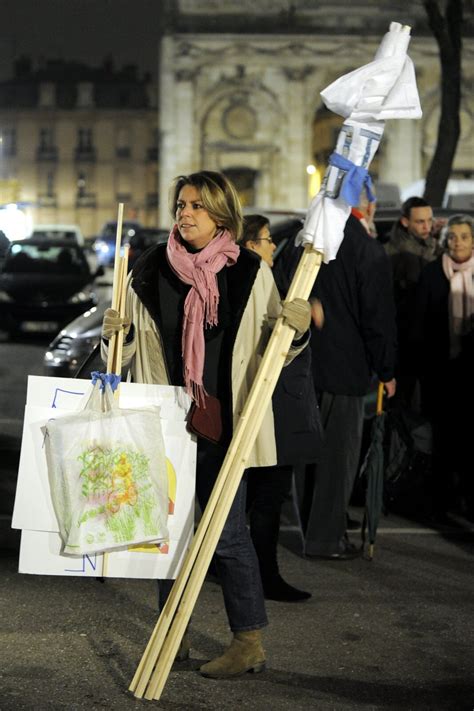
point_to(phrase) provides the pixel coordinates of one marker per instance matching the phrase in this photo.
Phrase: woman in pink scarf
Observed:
(198, 310)
(443, 338)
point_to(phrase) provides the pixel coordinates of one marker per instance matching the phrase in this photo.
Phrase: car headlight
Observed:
(101, 246)
(81, 297)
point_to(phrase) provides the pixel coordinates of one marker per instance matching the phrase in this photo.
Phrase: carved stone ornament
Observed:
(297, 73)
(239, 121)
(186, 74)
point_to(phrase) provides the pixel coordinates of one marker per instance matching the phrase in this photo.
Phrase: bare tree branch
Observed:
(447, 31)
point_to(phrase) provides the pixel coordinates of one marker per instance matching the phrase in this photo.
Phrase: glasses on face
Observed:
(264, 239)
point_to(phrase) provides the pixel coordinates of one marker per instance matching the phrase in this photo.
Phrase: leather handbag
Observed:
(206, 421)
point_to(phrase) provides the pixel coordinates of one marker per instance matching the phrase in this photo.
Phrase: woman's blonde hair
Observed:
(218, 196)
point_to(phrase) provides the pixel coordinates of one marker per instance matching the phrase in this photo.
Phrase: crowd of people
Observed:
(432, 268)
(209, 294)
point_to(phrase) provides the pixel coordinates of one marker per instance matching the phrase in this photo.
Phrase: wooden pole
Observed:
(116, 360)
(378, 412)
(379, 408)
(116, 284)
(114, 355)
(153, 669)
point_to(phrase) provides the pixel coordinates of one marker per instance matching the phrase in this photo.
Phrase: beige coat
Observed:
(145, 357)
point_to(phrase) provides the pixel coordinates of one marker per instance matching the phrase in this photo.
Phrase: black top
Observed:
(359, 333)
(163, 295)
(430, 338)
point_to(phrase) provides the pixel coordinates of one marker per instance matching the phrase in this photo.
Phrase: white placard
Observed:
(33, 510)
(40, 554)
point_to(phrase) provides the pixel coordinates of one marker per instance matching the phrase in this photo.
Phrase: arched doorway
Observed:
(244, 180)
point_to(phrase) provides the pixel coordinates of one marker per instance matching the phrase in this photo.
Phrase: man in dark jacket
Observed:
(357, 340)
(410, 248)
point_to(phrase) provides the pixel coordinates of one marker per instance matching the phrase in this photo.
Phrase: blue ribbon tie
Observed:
(111, 378)
(356, 179)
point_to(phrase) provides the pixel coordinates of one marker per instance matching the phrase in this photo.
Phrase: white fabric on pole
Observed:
(383, 89)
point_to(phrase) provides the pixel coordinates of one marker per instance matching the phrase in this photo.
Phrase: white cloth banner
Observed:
(33, 510)
(366, 97)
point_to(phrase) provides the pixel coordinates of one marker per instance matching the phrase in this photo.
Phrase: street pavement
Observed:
(394, 633)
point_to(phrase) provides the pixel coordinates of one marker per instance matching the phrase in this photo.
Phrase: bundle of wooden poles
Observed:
(114, 355)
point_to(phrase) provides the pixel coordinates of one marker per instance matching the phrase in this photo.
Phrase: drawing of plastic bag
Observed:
(107, 474)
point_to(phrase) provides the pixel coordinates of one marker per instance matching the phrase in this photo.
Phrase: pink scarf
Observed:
(200, 307)
(461, 299)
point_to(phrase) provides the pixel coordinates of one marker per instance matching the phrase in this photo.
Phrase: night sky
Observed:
(80, 30)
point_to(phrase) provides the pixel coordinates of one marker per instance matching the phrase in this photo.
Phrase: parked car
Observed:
(143, 239)
(4, 245)
(104, 244)
(75, 344)
(65, 233)
(43, 284)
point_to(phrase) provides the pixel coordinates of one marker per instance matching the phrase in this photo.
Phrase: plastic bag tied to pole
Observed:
(366, 97)
(104, 379)
(107, 474)
(356, 178)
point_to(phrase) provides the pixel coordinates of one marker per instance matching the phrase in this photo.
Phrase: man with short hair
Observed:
(417, 218)
(411, 246)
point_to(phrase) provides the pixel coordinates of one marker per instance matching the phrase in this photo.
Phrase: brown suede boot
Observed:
(245, 654)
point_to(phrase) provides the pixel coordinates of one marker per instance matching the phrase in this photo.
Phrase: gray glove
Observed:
(297, 314)
(113, 322)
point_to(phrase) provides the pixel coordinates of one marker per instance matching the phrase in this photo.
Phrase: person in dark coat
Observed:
(411, 246)
(298, 435)
(357, 340)
(443, 344)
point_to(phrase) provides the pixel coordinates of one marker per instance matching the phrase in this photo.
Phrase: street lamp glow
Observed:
(14, 222)
(314, 180)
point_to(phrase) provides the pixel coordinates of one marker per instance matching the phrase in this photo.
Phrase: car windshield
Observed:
(54, 234)
(110, 230)
(38, 258)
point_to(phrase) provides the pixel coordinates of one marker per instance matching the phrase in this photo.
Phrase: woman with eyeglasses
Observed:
(197, 315)
(257, 237)
(298, 436)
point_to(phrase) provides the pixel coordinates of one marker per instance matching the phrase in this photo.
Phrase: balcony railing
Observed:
(86, 200)
(47, 200)
(123, 152)
(47, 153)
(85, 154)
(152, 200)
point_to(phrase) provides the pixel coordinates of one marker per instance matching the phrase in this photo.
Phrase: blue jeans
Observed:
(235, 558)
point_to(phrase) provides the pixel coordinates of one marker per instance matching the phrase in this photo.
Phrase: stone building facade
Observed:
(247, 102)
(238, 91)
(75, 141)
